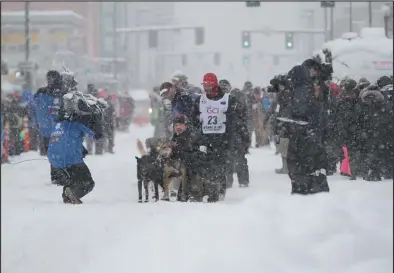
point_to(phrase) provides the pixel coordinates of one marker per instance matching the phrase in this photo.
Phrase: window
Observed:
(21, 48)
(12, 49)
(121, 66)
(35, 47)
(105, 68)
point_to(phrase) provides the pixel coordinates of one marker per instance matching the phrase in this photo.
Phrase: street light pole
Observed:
(115, 41)
(332, 23)
(27, 31)
(370, 13)
(28, 71)
(325, 23)
(350, 17)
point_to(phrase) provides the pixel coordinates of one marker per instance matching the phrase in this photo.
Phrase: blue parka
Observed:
(47, 102)
(66, 143)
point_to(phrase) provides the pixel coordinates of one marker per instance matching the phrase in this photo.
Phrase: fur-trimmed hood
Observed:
(373, 94)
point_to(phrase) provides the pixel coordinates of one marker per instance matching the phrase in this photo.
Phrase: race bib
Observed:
(213, 115)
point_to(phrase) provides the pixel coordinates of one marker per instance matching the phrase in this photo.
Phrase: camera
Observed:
(276, 81)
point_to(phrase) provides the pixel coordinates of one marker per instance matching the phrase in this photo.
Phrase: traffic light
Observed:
(289, 40)
(245, 59)
(216, 58)
(153, 38)
(184, 60)
(253, 4)
(199, 36)
(246, 39)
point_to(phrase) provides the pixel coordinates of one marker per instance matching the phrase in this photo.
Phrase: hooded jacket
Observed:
(302, 100)
(376, 121)
(65, 145)
(347, 113)
(47, 102)
(182, 104)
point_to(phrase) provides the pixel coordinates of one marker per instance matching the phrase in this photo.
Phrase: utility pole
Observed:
(27, 31)
(326, 5)
(332, 23)
(137, 50)
(369, 13)
(309, 15)
(28, 71)
(350, 17)
(325, 24)
(115, 41)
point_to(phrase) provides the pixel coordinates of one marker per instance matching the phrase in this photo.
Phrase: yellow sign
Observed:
(58, 36)
(18, 38)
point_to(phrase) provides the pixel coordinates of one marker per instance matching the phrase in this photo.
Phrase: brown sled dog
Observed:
(160, 149)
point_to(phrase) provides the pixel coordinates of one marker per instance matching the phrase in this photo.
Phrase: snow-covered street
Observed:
(257, 229)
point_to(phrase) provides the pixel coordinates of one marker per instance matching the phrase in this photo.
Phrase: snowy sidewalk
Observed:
(255, 230)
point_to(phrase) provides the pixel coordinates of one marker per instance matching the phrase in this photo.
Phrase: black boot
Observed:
(318, 184)
(299, 187)
(71, 196)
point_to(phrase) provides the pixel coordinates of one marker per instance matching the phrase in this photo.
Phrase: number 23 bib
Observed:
(213, 114)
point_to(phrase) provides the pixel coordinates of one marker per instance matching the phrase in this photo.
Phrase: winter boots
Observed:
(69, 197)
(284, 169)
(309, 184)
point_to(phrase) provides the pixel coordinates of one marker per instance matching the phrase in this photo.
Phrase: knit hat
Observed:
(180, 119)
(164, 87)
(211, 79)
(179, 76)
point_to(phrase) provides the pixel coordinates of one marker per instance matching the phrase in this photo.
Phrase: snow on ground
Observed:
(257, 229)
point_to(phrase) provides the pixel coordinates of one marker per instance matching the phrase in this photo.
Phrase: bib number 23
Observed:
(212, 120)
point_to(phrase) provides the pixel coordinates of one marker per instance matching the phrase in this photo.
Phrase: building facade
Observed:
(88, 10)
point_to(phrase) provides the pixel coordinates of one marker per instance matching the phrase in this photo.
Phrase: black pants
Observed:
(356, 162)
(111, 140)
(15, 143)
(34, 137)
(78, 178)
(306, 160)
(387, 163)
(99, 145)
(333, 152)
(373, 164)
(238, 163)
(213, 177)
(44, 143)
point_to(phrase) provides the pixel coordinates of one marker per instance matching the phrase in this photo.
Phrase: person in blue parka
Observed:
(47, 101)
(66, 151)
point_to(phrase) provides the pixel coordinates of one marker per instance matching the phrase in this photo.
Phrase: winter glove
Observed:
(202, 154)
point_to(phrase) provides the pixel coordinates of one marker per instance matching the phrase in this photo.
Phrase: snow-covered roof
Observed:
(370, 56)
(35, 13)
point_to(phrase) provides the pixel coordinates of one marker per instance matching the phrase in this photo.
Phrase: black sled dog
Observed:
(149, 169)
